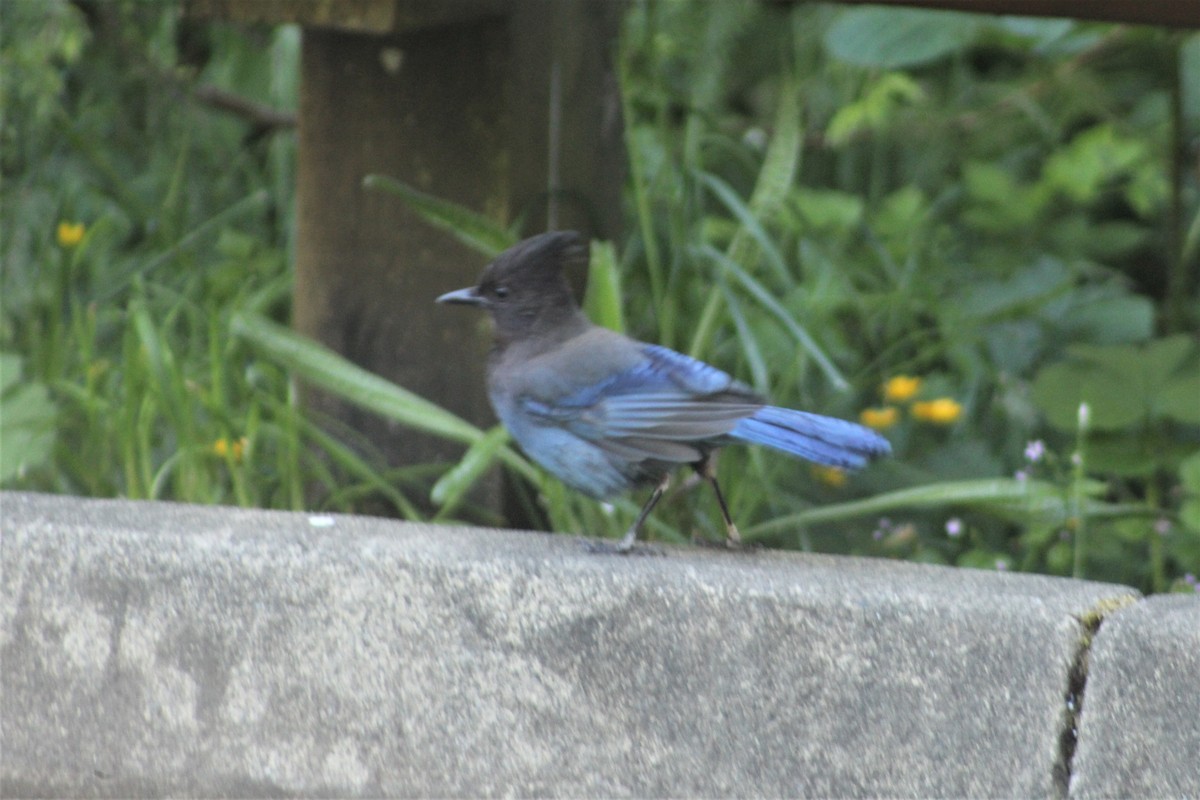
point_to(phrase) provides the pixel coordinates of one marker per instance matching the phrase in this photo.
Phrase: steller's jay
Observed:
(603, 412)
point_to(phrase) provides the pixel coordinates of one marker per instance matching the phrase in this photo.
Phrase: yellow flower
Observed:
(901, 388)
(941, 411)
(70, 234)
(830, 476)
(879, 418)
(223, 448)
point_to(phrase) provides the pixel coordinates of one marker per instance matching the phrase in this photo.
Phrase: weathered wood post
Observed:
(495, 104)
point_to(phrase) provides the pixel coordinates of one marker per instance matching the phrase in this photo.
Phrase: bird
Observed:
(605, 413)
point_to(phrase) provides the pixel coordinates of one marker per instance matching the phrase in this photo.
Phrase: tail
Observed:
(825, 440)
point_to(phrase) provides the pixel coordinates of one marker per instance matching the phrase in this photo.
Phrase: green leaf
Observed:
(327, 370)
(1017, 295)
(453, 485)
(472, 229)
(979, 558)
(891, 38)
(1094, 157)
(1029, 497)
(1189, 478)
(27, 421)
(1189, 64)
(1111, 320)
(1123, 385)
(767, 301)
(10, 370)
(740, 249)
(1131, 454)
(1180, 398)
(1059, 389)
(603, 303)
(827, 209)
(875, 109)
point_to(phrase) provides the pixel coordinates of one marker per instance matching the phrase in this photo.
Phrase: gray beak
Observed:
(462, 297)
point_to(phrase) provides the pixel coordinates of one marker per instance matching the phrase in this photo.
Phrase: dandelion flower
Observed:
(830, 476)
(224, 448)
(879, 418)
(941, 411)
(901, 388)
(70, 234)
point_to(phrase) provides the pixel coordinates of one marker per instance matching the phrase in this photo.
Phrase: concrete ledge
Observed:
(152, 649)
(1140, 726)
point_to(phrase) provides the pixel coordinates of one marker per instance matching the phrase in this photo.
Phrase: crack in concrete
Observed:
(1068, 737)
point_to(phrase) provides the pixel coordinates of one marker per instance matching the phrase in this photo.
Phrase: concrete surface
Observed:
(153, 649)
(1140, 725)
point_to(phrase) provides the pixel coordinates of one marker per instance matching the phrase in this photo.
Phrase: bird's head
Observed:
(525, 288)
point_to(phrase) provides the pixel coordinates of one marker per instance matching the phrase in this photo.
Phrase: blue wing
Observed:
(672, 408)
(666, 407)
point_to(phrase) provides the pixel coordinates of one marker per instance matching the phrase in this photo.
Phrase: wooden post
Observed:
(501, 105)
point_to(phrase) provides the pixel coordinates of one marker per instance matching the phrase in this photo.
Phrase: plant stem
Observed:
(1078, 476)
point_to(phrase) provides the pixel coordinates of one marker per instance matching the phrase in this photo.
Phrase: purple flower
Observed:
(1035, 451)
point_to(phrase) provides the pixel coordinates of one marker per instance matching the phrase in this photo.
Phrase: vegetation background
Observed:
(980, 235)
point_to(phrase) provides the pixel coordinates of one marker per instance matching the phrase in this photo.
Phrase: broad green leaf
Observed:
(1094, 157)
(1042, 32)
(1180, 398)
(10, 370)
(472, 229)
(1164, 357)
(1059, 389)
(1111, 320)
(1018, 295)
(828, 209)
(1133, 454)
(1123, 385)
(27, 417)
(897, 37)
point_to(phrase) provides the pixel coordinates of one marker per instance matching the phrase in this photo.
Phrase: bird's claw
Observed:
(605, 547)
(735, 545)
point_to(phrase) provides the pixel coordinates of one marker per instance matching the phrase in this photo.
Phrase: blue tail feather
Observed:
(824, 440)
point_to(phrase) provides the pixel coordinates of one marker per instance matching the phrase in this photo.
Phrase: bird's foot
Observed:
(735, 545)
(609, 548)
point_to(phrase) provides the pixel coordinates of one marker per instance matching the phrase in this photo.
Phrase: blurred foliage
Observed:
(959, 228)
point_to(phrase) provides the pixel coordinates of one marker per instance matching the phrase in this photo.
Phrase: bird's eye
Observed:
(500, 291)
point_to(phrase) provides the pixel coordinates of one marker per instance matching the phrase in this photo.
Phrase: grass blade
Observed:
(472, 229)
(325, 369)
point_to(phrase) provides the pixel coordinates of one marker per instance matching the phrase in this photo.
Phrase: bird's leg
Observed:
(627, 541)
(708, 468)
